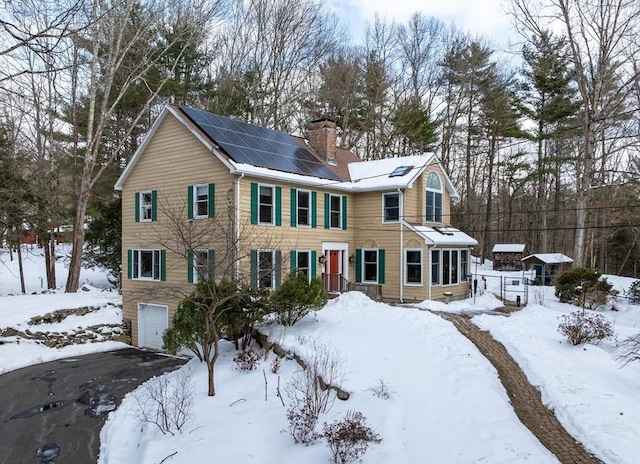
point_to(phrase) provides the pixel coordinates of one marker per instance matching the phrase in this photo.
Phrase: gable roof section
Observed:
(257, 146)
(508, 248)
(549, 258)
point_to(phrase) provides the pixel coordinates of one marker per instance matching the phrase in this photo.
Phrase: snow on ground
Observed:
(16, 310)
(447, 404)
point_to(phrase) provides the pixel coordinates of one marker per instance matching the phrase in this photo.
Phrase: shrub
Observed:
(633, 293)
(630, 350)
(166, 401)
(583, 287)
(381, 390)
(349, 438)
(580, 327)
(309, 391)
(247, 360)
(296, 297)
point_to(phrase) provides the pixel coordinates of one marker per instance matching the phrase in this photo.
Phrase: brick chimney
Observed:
(321, 134)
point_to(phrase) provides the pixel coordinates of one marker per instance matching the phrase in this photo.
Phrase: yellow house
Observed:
(206, 195)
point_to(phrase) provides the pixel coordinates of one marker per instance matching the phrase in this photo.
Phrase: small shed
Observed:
(547, 266)
(508, 256)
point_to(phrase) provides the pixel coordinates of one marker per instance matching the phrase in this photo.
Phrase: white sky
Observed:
(477, 17)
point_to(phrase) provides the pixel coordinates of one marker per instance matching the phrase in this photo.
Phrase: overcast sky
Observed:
(477, 17)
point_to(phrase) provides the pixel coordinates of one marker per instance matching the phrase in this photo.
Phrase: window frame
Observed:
(272, 222)
(138, 261)
(299, 208)
(437, 195)
(300, 268)
(144, 207)
(407, 264)
(385, 208)
(436, 266)
(261, 273)
(338, 211)
(366, 263)
(195, 265)
(197, 201)
(451, 267)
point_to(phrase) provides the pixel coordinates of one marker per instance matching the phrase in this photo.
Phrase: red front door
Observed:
(332, 272)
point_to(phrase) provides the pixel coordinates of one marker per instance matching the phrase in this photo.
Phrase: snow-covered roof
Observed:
(508, 248)
(550, 258)
(443, 236)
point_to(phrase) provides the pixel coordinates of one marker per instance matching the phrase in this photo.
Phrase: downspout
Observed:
(236, 245)
(401, 245)
(429, 249)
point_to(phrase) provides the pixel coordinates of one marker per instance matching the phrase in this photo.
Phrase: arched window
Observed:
(434, 198)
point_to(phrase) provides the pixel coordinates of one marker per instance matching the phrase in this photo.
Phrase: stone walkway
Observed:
(525, 398)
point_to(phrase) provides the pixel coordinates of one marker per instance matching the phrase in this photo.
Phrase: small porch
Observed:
(334, 284)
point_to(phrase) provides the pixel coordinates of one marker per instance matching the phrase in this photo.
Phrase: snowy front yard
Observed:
(447, 404)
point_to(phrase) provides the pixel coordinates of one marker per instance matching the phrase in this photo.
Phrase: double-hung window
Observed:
(434, 198)
(335, 211)
(201, 201)
(265, 268)
(370, 265)
(200, 264)
(266, 204)
(391, 207)
(303, 263)
(304, 208)
(146, 264)
(413, 266)
(464, 264)
(146, 206)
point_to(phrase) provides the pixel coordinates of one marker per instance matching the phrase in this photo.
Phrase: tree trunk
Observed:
(73, 282)
(51, 276)
(21, 269)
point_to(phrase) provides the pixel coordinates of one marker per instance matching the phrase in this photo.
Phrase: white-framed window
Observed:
(390, 207)
(266, 204)
(434, 198)
(146, 206)
(335, 211)
(435, 267)
(370, 265)
(303, 208)
(201, 265)
(303, 263)
(464, 264)
(266, 269)
(201, 200)
(413, 266)
(450, 267)
(146, 264)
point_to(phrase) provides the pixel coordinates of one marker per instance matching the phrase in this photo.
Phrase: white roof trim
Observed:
(508, 248)
(175, 112)
(432, 237)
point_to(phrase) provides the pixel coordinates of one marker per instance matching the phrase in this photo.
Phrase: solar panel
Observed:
(258, 146)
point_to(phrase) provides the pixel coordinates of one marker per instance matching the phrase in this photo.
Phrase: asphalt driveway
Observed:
(53, 412)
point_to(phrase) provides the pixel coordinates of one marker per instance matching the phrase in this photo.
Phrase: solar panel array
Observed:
(258, 146)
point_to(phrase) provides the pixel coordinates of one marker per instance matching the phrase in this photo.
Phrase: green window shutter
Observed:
(278, 206)
(344, 212)
(326, 211)
(314, 258)
(211, 262)
(293, 264)
(294, 207)
(380, 266)
(190, 202)
(129, 264)
(254, 267)
(137, 206)
(254, 204)
(212, 201)
(314, 209)
(154, 205)
(190, 276)
(163, 265)
(358, 265)
(278, 268)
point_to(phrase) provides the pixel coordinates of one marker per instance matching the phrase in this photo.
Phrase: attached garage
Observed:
(153, 320)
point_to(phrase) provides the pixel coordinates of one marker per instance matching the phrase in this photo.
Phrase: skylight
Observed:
(400, 171)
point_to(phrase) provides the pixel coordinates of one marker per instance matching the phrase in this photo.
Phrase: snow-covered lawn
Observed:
(447, 404)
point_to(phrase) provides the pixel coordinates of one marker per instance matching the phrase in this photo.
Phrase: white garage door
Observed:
(153, 320)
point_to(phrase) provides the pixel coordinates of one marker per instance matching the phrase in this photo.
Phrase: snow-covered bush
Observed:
(349, 438)
(381, 390)
(580, 327)
(630, 350)
(584, 287)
